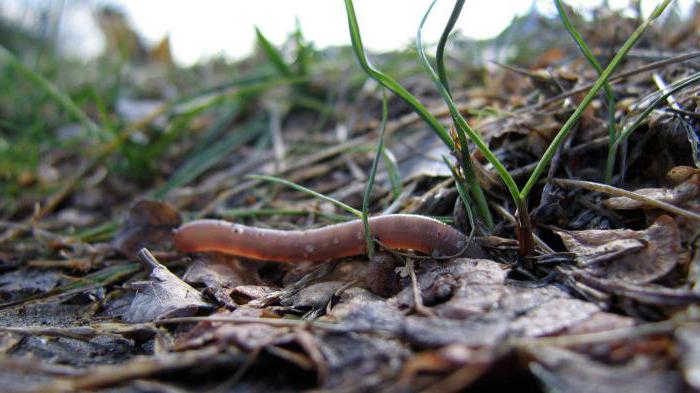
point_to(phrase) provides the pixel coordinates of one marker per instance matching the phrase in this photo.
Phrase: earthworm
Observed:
(400, 231)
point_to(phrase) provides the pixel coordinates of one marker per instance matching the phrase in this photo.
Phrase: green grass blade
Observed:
(243, 213)
(198, 103)
(390, 83)
(659, 98)
(440, 50)
(303, 50)
(568, 125)
(54, 93)
(273, 179)
(463, 128)
(464, 196)
(372, 174)
(392, 169)
(609, 95)
(207, 158)
(580, 42)
(273, 54)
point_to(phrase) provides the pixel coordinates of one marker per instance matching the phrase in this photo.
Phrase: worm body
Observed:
(401, 231)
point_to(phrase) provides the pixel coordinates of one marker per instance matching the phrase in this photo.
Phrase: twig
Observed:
(290, 323)
(592, 186)
(415, 287)
(600, 337)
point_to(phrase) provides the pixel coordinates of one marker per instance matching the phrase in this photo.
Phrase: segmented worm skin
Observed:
(400, 231)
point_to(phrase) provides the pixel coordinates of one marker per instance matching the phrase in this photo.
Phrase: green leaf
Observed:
(209, 157)
(273, 54)
(390, 83)
(372, 174)
(298, 187)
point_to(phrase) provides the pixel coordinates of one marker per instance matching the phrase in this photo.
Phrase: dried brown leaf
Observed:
(164, 296)
(219, 274)
(553, 317)
(361, 310)
(247, 336)
(616, 254)
(147, 224)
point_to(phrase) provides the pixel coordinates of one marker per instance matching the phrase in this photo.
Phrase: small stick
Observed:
(592, 186)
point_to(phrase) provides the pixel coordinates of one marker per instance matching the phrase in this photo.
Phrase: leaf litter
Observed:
(608, 303)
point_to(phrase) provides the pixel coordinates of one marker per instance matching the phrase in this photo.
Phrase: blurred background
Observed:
(151, 85)
(204, 29)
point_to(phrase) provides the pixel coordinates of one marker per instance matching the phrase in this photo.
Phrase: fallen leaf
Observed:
(620, 254)
(245, 293)
(313, 298)
(219, 274)
(647, 293)
(165, 295)
(354, 361)
(601, 321)
(247, 336)
(24, 282)
(361, 310)
(488, 330)
(148, 224)
(553, 317)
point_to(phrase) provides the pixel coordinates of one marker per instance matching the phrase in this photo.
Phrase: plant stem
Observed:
(523, 232)
(463, 129)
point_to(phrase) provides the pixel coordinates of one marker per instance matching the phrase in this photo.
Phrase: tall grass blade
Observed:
(440, 50)
(568, 125)
(372, 174)
(388, 82)
(651, 102)
(54, 93)
(273, 54)
(208, 157)
(392, 169)
(609, 95)
(297, 187)
(464, 196)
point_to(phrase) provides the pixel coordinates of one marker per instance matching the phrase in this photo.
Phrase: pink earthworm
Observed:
(399, 231)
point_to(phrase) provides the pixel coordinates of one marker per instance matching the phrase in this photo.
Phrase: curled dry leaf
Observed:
(165, 295)
(314, 297)
(680, 174)
(361, 310)
(219, 274)
(621, 254)
(148, 224)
